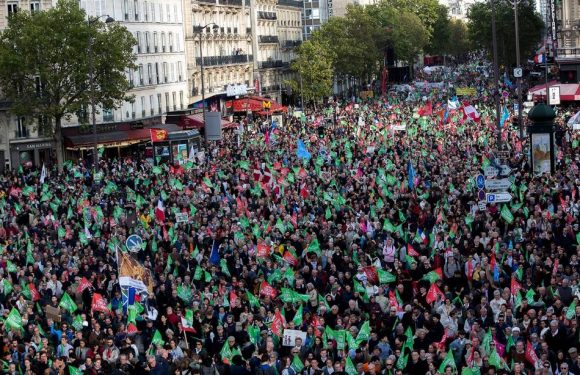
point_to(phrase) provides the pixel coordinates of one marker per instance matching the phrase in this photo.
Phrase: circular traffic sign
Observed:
(134, 243)
(481, 195)
(480, 180)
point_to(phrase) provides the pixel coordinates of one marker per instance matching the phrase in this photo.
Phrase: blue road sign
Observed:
(134, 243)
(480, 180)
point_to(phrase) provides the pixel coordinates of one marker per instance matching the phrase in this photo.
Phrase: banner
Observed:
(290, 336)
(133, 274)
(466, 91)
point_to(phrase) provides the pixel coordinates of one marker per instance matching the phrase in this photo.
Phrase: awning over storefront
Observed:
(118, 138)
(569, 92)
(196, 122)
(254, 104)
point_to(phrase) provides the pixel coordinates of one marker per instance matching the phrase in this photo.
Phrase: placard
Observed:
(554, 95)
(181, 217)
(290, 336)
(541, 157)
(53, 313)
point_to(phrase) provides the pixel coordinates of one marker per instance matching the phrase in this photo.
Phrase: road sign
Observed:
(502, 184)
(518, 73)
(481, 205)
(480, 181)
(490, 171)
(498, 197)
(554, 95)
(134, 243)
(481, 195)
(516, 107)
(505, 170)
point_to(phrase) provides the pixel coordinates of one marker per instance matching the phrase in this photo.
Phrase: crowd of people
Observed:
(346, 240)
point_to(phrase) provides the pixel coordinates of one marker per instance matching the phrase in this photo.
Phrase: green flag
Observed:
(13, 320)
(67, 303)
(402, 361)
(74, 370)
(314, 247)
(7, 287)
(385, 277)
(448, 361)
(252, 299)
(349, 367)
(506, 214)
(365, 332)
(297, 364)
(571, 312)
(157, 339)
(298, 317)
(431, 277)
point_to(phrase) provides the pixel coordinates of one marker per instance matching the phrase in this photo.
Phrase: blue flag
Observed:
(128, 295)
(214, 256)
(302, 151)
(507, 81)
(505, 115)
(411, 173)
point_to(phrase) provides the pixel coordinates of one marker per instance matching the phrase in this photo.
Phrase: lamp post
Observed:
(495, 73)
(199, 31)
(515, 4)
(91, 21)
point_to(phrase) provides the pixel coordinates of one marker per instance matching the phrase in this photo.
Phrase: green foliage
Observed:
(314, 65)
(52, 46)
(440, 42)
(459, 43)
(530, 25)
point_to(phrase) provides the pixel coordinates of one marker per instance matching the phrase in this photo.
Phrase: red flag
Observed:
(233, 298)
(433, 292)
(515, 286)
(267, 290)
(84, 284)
(131, 328)
(439, 272)
(158, 135)
(278, 324)
(411, 251)
(304, 191)
(426, 110)
(531, 355)
(263, 250)
(393, 300)
(99, 303)
(34, 292)
(371, 273)
(291, 259)
(555, 269)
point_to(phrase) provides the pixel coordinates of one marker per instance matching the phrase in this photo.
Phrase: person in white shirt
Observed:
(496, 303)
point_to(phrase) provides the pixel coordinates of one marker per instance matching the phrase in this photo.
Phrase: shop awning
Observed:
(569, 92)
(119, 138)
(196, 122)
(254, 104)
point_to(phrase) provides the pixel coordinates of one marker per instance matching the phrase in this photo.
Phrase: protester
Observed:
(346, 240)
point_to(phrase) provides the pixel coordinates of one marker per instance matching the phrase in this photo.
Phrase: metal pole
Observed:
(495, 73)
(202, 78)
(519, 80)
(301, 96)
(93, 105)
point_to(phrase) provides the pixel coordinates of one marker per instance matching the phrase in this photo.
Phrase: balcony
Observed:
(292, 43)
(270, 64)
(291, 3)
(268, 39)
(237, 3)
(267, 16)
(224, 60)
(271, 88)
(568, 54)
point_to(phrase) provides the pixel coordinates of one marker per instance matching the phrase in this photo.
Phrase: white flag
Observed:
(43, 174)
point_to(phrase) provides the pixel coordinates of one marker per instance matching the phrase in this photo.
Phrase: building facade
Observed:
(458, 9)
(290, 34)
(337, 8)
(314, 14)
(159, 83)
(566, 28)
(226, 49)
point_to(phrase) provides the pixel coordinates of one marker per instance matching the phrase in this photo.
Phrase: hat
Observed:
(516, 329)
(572, 350)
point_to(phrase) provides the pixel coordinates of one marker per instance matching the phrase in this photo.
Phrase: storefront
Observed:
(179, 148)
(32, 152)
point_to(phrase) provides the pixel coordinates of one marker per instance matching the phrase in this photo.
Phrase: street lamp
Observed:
(515, 4)
(91, 21)
(495, 73)
(199, 31)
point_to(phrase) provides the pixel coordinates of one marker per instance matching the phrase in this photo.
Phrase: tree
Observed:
(530, 25)
(353, 41)
(314, 64)
(458, 39)
(44, 64)
(426, 10)
(440, 42)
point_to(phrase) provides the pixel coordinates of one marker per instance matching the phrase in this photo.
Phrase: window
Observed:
(126, 9)
(170, 42)
(155, 41)
(150, 73)
(138, 37)
(181, 100)
(136, 7)
(142, 106)
(130, 78)
(175, 14)
(141, 82)
(177, 44)
(165, 72)
(174, 101)
(21, 130)
(147, 41)
(159, 103)
(172, 72)
(157, 73)
(12, 8)
(162, 42)
(146, 9)
(161, 13)
(34, 6)
(108, 115)
(151, 105)
(153, 13)
(168, 13)
(133, 111)
(180, 71)
(166, 102)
